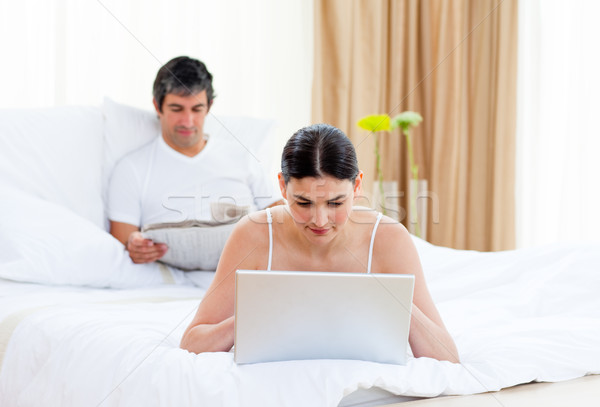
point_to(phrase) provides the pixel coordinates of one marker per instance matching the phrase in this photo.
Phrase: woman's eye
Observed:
(335, 203)
(303, 203)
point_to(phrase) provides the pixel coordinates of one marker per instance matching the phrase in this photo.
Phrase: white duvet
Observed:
(516, 317)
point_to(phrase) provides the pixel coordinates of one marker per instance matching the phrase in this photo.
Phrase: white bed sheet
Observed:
(519, 316)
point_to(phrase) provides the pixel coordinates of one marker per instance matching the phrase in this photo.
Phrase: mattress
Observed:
(516, 317)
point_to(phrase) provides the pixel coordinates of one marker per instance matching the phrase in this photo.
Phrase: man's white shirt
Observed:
(156, 184)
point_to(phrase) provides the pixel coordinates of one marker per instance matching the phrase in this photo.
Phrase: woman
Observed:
(318, 230)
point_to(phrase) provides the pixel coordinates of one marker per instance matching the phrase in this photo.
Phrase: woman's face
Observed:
(320, 206)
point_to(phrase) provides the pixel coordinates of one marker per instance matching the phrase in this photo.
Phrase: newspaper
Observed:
(196, 244)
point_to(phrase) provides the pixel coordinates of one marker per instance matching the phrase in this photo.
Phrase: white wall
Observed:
(558, 138)
(57, 52)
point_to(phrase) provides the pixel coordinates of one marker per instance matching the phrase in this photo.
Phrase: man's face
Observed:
(182, 121)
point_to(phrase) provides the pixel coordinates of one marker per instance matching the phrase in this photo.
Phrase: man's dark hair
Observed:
(319, 150)
(182, 76)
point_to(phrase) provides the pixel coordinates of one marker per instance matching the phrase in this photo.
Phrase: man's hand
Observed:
(140, 250)
(144, 250)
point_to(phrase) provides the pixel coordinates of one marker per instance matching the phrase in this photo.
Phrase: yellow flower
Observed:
(375, 122)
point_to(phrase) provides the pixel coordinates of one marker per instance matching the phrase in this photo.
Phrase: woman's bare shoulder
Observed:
(247, 243)
(389, 235)
(252, 227)
(393, 250)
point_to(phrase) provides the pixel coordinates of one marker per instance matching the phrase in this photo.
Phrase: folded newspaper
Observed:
(196, 244)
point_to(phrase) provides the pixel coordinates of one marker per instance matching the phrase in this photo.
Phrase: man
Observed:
(183, 173)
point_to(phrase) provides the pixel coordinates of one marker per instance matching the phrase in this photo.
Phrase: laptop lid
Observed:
(288, 315)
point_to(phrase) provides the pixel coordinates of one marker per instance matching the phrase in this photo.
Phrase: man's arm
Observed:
(140, 250)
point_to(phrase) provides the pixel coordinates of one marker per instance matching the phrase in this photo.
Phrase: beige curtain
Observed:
(453, 61)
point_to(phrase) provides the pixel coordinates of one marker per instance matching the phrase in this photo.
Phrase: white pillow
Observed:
(56, 154)
(126, 129)
(46, 243)
(254, 134)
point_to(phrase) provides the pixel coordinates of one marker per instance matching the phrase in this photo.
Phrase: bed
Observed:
(81, 325)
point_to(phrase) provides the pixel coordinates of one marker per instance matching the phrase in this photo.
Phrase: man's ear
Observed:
(155, 103)
(358, 184)
(209, 106)
(156, 107)
(282, 187)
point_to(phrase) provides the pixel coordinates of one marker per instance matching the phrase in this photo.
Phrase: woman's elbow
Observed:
(187, 342)
(445, 352)
(208, 337)
(451, 357)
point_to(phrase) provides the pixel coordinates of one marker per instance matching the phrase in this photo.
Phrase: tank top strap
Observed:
(270, 222)
(379, 216)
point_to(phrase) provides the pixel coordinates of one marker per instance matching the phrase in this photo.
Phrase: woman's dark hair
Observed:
(319, 150)
(182, 76)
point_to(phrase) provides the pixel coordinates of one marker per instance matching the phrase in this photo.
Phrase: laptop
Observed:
(295, 315)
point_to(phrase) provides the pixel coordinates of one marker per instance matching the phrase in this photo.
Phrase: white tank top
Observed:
(270, 223)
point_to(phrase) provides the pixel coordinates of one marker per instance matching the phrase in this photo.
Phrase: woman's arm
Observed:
(430, 339)
(395, 252)
(206, 337)
(211, 330)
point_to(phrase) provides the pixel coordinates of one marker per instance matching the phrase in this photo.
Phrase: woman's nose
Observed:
(320, 217)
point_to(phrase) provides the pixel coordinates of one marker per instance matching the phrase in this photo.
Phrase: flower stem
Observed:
(414, 170)
(411, 159)
(379, 173)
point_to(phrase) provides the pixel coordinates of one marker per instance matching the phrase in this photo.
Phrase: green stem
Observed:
(379, 172)
(411, 159)
(415, 176)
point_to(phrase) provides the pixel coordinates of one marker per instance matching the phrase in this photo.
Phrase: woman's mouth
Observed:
(318, 231)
